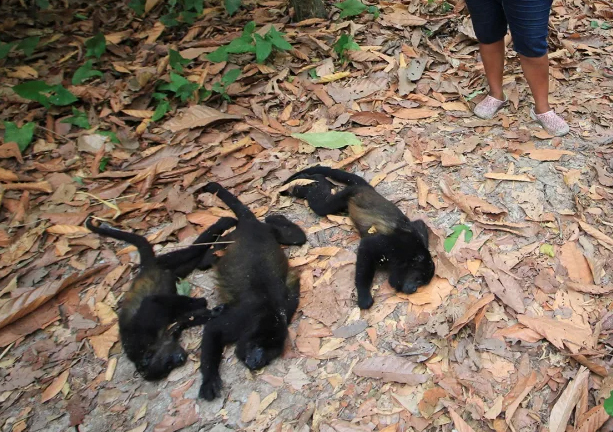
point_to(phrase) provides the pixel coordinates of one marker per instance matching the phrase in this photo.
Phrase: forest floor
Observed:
(514, 332)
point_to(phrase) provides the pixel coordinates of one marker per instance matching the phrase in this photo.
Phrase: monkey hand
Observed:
(211, 387)
(365, 302)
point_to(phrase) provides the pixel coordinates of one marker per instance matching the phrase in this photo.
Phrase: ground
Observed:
(513, 333)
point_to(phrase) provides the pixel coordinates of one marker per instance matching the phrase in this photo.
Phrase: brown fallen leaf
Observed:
(594, 232)
(68, 230)
(103, 343)
(369, 118)
(510, 293)
(575, 263)
(20, 246)
(415, 113)
(509, 177)
(390, 369)
(197, 116)
(470, 313)
(251, 407)
(561, 334)
(598, 369)
(9, 150)
(459, 422)
(562, 410)
(422, 192)
(55, 387)
(593, 420)
(547, 154)
(588, 288)
(519, 331)
(8, 176)
(512, 406)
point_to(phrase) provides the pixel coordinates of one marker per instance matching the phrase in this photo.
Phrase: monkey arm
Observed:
(173, 305)
(370, 252)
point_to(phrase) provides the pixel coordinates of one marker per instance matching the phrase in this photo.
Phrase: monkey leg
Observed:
(174, 305)
(320, 197)
(286, 232)
(219, 332)
(369, 254)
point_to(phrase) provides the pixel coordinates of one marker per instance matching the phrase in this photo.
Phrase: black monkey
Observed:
(259, 290)
(152, 303)
(388, 236)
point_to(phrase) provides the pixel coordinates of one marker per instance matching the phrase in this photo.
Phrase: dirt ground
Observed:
(513, 333)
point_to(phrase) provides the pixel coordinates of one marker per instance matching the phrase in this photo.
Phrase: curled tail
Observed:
(145, 250)
(241, 211)
(335, 174)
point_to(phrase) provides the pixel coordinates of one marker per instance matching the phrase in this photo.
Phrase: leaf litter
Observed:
(514, 331)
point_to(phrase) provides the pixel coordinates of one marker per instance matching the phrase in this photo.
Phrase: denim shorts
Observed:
(528, 21)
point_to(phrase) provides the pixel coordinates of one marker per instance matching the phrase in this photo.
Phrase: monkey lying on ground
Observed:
(259, 290)
(388, 236)
(152, 303)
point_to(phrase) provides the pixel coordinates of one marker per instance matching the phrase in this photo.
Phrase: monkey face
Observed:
(264, 343)
(413, 269)
(155, 360)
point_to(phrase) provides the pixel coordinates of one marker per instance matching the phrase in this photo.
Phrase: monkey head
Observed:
(265, 341)
(155, 355)
(413, 266)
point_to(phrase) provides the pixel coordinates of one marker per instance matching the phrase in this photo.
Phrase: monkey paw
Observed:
(211, 387)
(365, 302)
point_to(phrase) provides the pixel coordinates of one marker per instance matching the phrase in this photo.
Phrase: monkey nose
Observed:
(255, 359)
(409, 288)
(179, 358)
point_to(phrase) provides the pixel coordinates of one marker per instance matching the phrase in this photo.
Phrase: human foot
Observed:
(551, 122)
(488, 107)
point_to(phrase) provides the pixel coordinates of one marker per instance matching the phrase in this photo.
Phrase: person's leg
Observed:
(490, 27)
(529, 21)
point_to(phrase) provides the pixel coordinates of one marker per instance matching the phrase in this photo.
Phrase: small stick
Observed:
(199, 244)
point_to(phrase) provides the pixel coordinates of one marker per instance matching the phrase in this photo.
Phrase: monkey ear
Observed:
(285, 231)
(422, 230)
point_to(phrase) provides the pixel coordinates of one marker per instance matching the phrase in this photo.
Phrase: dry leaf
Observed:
(509, 177)
(55, 387)
(422, 192)
(390, 369)
(562, 410)
(103, 343)
(528, 384)
(575, 263)
(588, 288)
(547, 154)
(454, 106)
(594, 232)
(593, 420)
(267, 401)
(250, 409)
(197, 116)
(471, 312)
(68, 230)
(459, 422)
(559, 333)
(415, 113)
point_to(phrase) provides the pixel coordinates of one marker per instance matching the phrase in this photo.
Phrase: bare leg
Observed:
(493, 63)
(536, 71)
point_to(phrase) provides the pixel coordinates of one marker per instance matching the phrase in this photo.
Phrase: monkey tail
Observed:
(241, 211)
(335, 174)
(145, 250)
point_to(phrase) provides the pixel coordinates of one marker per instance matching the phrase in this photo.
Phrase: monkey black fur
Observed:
(259, 290)
(152, 303)
(388, 236)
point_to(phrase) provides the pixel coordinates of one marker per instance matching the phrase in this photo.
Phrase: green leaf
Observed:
(160, 110)
(95, 46)
(112, 135)
(241, 45)
(345, 43)
(230, 77)
(277, 39)
(5, 49)
(605, 26)
(137, 6)
(176, 61)
(608, 404)
(263, 49)
(103, 163)
(474, 94)
(219, 55)
(170, 19)
(42, 4)
(313, 73)
(195, 5)
(34, 90)
(186, 91)
(28, 45)
(79, 118)
(176, 81)
(22, 136)
(249, 28)
(547, 249)
(85, 72)
(62, 96)
(374, 10)
(351, 8)
(594, 24)
(453, 238)
(329, 140)
(446, 7)
(232, 6)
(188, 17)
(184, 287)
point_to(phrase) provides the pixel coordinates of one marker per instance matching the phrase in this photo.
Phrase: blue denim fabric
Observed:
(527, 19)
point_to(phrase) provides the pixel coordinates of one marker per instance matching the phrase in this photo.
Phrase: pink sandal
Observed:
(488, 107)
(551, 122)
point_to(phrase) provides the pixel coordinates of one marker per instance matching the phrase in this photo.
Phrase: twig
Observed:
(199, 244)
